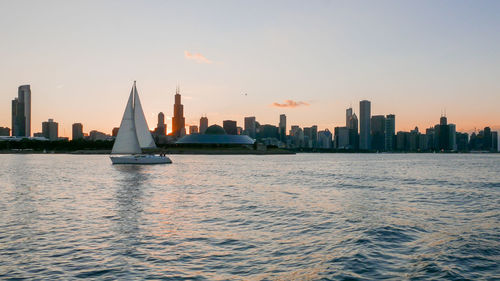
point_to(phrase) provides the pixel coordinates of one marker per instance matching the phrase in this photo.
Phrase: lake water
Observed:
(288, 217)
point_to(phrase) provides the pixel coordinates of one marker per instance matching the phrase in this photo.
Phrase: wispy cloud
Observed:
(199, 58)
(290, 103)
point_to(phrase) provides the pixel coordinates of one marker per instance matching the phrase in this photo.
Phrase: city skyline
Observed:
(376, 132)
(241, 123)
(310, 62)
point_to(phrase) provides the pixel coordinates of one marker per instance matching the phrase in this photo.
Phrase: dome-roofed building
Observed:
(215, 130)
(215, 134)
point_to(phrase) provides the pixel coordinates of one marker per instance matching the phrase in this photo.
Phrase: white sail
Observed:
(126, 141)
(141, 126)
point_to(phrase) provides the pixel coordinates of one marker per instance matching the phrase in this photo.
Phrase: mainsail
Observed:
(133, 133)
(141, 127)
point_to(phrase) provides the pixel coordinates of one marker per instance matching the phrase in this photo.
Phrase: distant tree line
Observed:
(59, 145)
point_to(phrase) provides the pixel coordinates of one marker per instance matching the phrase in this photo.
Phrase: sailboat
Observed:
(134, 135)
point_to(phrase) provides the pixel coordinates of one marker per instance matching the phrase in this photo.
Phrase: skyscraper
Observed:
(282, 128)
(348, 116)
(314, 136)
(341, 137)
(77, 131)
(452, 134)
(230, 127)
(413, 139)
(364, 124)
(445, 135)
(443, 120)
(114, 131)
(50, 129)
(403, 141)
(268, 131)
(390, 131)
(487, 140)
(178, 121)
(250, 129)
(462, 141)
(423, 142)
(161, 118)
(21, 112)
(352, 125)
(161, 127)
(431, 136)
(378, 132)
(308, 137)
(325, 139)
(296, 136)
(203, 124)
(494, 138)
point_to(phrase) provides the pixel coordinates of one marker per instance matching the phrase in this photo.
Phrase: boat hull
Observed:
(140, 159)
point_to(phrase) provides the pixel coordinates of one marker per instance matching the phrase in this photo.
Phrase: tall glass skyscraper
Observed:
(352, 125)
(348, 116)
(21, 112)
(282, 128)
(203, 124)
(364, 125)
(250, 128)
(390, 131)
(77, 129)
(178, 121)
(378, 132)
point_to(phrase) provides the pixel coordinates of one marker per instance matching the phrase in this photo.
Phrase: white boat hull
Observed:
(140, 159)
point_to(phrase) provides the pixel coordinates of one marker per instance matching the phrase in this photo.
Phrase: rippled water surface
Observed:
(305, 217)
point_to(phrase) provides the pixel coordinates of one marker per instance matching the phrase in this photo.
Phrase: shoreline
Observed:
(231, 152)
(167, 151)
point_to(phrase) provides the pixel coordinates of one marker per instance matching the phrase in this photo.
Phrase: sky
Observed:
(309, 60)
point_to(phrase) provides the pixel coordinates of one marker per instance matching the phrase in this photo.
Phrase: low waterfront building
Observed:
(4, 131)
(96, 135)
(193, 129)
(216, 135)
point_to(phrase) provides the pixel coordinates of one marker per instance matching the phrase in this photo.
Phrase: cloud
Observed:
(199, 58)
(290, 103)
